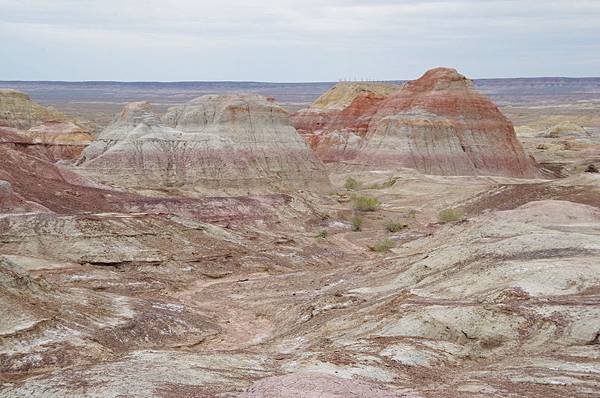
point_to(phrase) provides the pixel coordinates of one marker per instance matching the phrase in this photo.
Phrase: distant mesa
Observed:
(215, 144)
(438, 124)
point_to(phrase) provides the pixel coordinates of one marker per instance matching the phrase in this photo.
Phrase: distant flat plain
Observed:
(525, 101)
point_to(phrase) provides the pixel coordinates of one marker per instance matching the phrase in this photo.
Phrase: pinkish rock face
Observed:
(437, 124)
(335, 125)
(6, 191)
(227, 144)
(337, 135)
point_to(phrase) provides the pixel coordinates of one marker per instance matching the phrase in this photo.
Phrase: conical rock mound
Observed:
(215, 144)
(440, 124)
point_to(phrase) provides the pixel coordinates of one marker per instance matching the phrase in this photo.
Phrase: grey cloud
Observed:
(295, 40)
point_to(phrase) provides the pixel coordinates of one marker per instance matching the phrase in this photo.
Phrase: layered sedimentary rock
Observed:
(49, 185)
(11, 202)
(19, 111)
(46, 132)
(65, 137)
(337, 121)
(213, 144)
(438, 124)
(441, 125)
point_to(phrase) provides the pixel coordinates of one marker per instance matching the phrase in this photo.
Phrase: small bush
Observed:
(382, 246)
(321, 235)
(352, 184)
(393, 226)
(366, 203)
(357, 223)
(451, 215)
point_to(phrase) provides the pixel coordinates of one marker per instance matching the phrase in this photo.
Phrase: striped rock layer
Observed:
(38, 130)
(438, 124)
(218, 144)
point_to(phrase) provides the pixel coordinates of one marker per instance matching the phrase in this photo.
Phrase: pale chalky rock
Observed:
(226, 144)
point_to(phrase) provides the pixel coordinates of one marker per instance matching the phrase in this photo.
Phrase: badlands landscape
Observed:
(431, 238)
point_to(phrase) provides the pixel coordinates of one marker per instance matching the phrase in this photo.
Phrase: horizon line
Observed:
(283, 82)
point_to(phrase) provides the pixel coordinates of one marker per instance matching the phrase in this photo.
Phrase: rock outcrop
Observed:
(343, 94)
(19, 111)
(441, 125)
(337, 121)
(228, 144)
(566, 129)
(46, 132)
(438, 124)
(60, 133)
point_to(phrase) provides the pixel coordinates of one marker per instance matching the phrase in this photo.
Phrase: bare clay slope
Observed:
(337, 122)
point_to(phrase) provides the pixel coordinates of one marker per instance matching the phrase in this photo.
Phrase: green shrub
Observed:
(322, 234)
(393, 226)
(365, 203)
(352, 184)
(357, 223)
(451, 215)
(382, 246)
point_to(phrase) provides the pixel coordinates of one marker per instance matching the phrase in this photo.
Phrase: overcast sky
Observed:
(289, 40)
